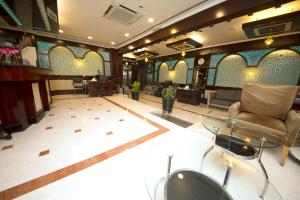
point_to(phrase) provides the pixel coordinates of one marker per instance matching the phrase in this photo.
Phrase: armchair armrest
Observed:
(210, 96)
(292, 123)
(234, 109)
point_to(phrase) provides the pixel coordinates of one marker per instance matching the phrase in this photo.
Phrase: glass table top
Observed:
(242, 132)
(246, 181)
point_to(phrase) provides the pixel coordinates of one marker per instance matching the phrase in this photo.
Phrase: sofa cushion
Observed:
(237, 96)
(221, 102)
(272, 101)
(269, 122)
(225, 94)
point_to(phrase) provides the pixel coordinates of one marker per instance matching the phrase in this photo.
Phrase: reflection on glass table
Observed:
(180, 155)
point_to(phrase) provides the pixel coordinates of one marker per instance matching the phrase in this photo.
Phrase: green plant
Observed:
(169, 94)
(136, 86)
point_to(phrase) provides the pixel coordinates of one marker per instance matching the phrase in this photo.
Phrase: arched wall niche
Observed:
(177, 75)
(63, 62)
(230, 71)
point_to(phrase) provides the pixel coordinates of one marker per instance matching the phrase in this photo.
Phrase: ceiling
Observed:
(221, 33)
(86, 19)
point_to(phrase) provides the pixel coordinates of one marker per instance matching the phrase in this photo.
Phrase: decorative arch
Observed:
(163, 72)
(64, 62)
(280, 67)
(179, 74)
(230, 71)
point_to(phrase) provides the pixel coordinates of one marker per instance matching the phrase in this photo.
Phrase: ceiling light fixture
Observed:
(183, 54)
(173, 31)
(269, 40)
(150, 20)
(112, 43)
(147, 41)
(127, 34)
(220, 14)
(131, 47)
(90, 37)
(60, 31)
(146, 59)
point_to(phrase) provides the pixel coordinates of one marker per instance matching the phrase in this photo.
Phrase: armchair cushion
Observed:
(269, 122)
(270, 101)
(292, 124)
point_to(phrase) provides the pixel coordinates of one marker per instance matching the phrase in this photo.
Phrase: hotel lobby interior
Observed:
(150, 100)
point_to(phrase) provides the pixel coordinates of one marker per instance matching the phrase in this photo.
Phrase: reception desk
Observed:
(100, 88)
(193, 97)
(24, 94)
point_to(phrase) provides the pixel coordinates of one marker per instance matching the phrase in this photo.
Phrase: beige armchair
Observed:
(270, 107)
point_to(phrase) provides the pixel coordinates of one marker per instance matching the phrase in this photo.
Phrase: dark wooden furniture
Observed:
(98, 88)
(193, 97)
(17, 102)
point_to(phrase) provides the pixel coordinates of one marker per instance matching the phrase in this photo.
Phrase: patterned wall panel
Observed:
(63, 62)
(105, 55)
(78, 51)
(107, 69)
(156, 65)
(171, 64)
(253, 57)
(190, 62)
(230, 71)
(211, 76)
(296, 48)
(44, 61)
(44, 47)
(214, 60)
(280, 67)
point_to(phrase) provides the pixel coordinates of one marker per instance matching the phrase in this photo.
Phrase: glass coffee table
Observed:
(172, 171)
(241, 139)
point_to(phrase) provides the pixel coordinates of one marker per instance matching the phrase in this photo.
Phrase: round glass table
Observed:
(242, 139)
(172, 171)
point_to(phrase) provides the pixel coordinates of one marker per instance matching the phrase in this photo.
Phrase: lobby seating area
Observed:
(150, 100)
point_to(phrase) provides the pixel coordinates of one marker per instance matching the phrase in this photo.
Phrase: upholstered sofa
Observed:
(270, 108)
(223, 98)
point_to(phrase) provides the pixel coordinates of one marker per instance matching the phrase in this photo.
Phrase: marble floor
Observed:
(114, 148)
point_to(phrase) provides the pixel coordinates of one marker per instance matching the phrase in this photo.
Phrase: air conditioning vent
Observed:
(275, 25)
(273, 29)
(121, 14)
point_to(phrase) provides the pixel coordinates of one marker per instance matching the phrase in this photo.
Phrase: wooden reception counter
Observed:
(100, 88)
(24, 92)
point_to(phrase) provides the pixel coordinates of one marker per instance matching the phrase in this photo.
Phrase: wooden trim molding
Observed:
(46, 179)
(231, 8)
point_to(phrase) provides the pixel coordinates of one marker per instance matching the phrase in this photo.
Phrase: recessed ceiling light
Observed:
(173, 31)
(112, 43)
(60, 31)
(131, 47)
(150, 20)
(90, 37)
(147, 41)
(127, 34)
(220, 14)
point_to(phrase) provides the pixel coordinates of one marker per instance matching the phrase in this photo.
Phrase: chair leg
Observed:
(284, 154)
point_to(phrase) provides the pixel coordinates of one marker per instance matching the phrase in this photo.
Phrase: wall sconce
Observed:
(269, 40)
(146, 59)
(183, 54)
(172, 73)
(79, 62)
(251, 74)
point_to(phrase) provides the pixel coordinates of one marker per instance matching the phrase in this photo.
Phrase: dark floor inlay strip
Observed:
(7, 147)
(175, 120)
(43, 153)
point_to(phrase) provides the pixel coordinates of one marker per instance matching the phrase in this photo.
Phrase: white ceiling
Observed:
(78, 18)
(222, 33)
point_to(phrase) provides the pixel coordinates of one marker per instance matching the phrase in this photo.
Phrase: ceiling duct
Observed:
(122, 14)
(272, 26)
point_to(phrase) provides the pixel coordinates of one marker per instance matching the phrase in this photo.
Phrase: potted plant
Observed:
(168, 97)
(135, 92)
